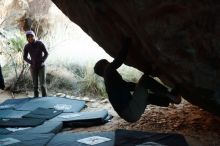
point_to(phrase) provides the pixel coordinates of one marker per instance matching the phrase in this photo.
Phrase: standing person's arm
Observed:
(44, 50)
(119, 60)
(25, 55)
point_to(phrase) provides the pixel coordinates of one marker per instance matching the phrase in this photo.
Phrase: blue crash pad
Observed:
(59, 103)
(4, 131)
(71, 139)
(13, 103)
(25, 139)
(46, 127)
(120, 138)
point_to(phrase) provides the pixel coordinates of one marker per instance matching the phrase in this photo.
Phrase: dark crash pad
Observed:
(133, 138)
(13, 103)
(119, 138)
(10, 113)
(83, 119)
(43, 113)
(20, 122)
(177, 41)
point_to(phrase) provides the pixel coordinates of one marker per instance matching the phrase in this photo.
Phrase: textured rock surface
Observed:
(178, 39)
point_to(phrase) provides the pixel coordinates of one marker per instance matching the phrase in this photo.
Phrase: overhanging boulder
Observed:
(179, 40)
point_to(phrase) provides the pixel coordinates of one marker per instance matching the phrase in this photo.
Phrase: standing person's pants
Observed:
(2, 84)
(41, 75)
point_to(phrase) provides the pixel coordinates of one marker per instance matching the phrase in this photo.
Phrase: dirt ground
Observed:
(199, 127)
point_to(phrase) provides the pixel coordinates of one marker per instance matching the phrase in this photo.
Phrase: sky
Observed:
(71, 42)
(68, 42)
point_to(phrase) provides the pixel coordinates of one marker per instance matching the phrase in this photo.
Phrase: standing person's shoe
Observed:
(2, 84)
(44, 91)
(36, 94)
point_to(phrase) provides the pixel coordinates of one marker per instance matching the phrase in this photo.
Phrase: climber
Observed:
(129, 106)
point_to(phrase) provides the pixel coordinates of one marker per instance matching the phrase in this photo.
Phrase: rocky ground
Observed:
(199, 127)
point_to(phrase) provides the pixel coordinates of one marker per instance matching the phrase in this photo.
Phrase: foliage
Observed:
(92, 84)
(80, 79)
(59, 79)
(14, 52)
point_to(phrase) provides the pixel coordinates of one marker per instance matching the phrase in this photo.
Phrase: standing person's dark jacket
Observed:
(35, 51)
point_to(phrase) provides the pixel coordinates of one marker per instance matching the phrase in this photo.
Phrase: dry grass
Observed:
(74, 79)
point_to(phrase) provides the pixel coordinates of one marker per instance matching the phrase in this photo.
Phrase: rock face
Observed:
(176, 40)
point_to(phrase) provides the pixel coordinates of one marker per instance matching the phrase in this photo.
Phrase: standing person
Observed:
(129, 106)
(37, 56)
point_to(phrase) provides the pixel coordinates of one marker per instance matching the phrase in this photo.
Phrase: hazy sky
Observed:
(71, 42)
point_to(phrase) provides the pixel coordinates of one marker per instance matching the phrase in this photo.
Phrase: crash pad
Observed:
(76, 139)
(13, 103)
(10, 113)
(25, 139)
(83, 119)
(42, 113)
(20, 122)
(58, 103)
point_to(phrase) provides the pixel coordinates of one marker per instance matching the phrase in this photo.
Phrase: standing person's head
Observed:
(30, 35)
(99, 67)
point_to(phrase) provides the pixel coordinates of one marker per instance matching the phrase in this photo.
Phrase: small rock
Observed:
(86, 98)
(92, 100)
(68, 96)
(104, 101)
(60, 95)
(94, 105)
(79, 98)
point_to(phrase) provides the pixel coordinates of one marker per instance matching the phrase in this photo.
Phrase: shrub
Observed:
(14, 52)
(59, 79)
(91, 84)
(78, 79)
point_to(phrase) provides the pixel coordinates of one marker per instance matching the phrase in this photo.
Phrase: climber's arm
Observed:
(119, 60)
